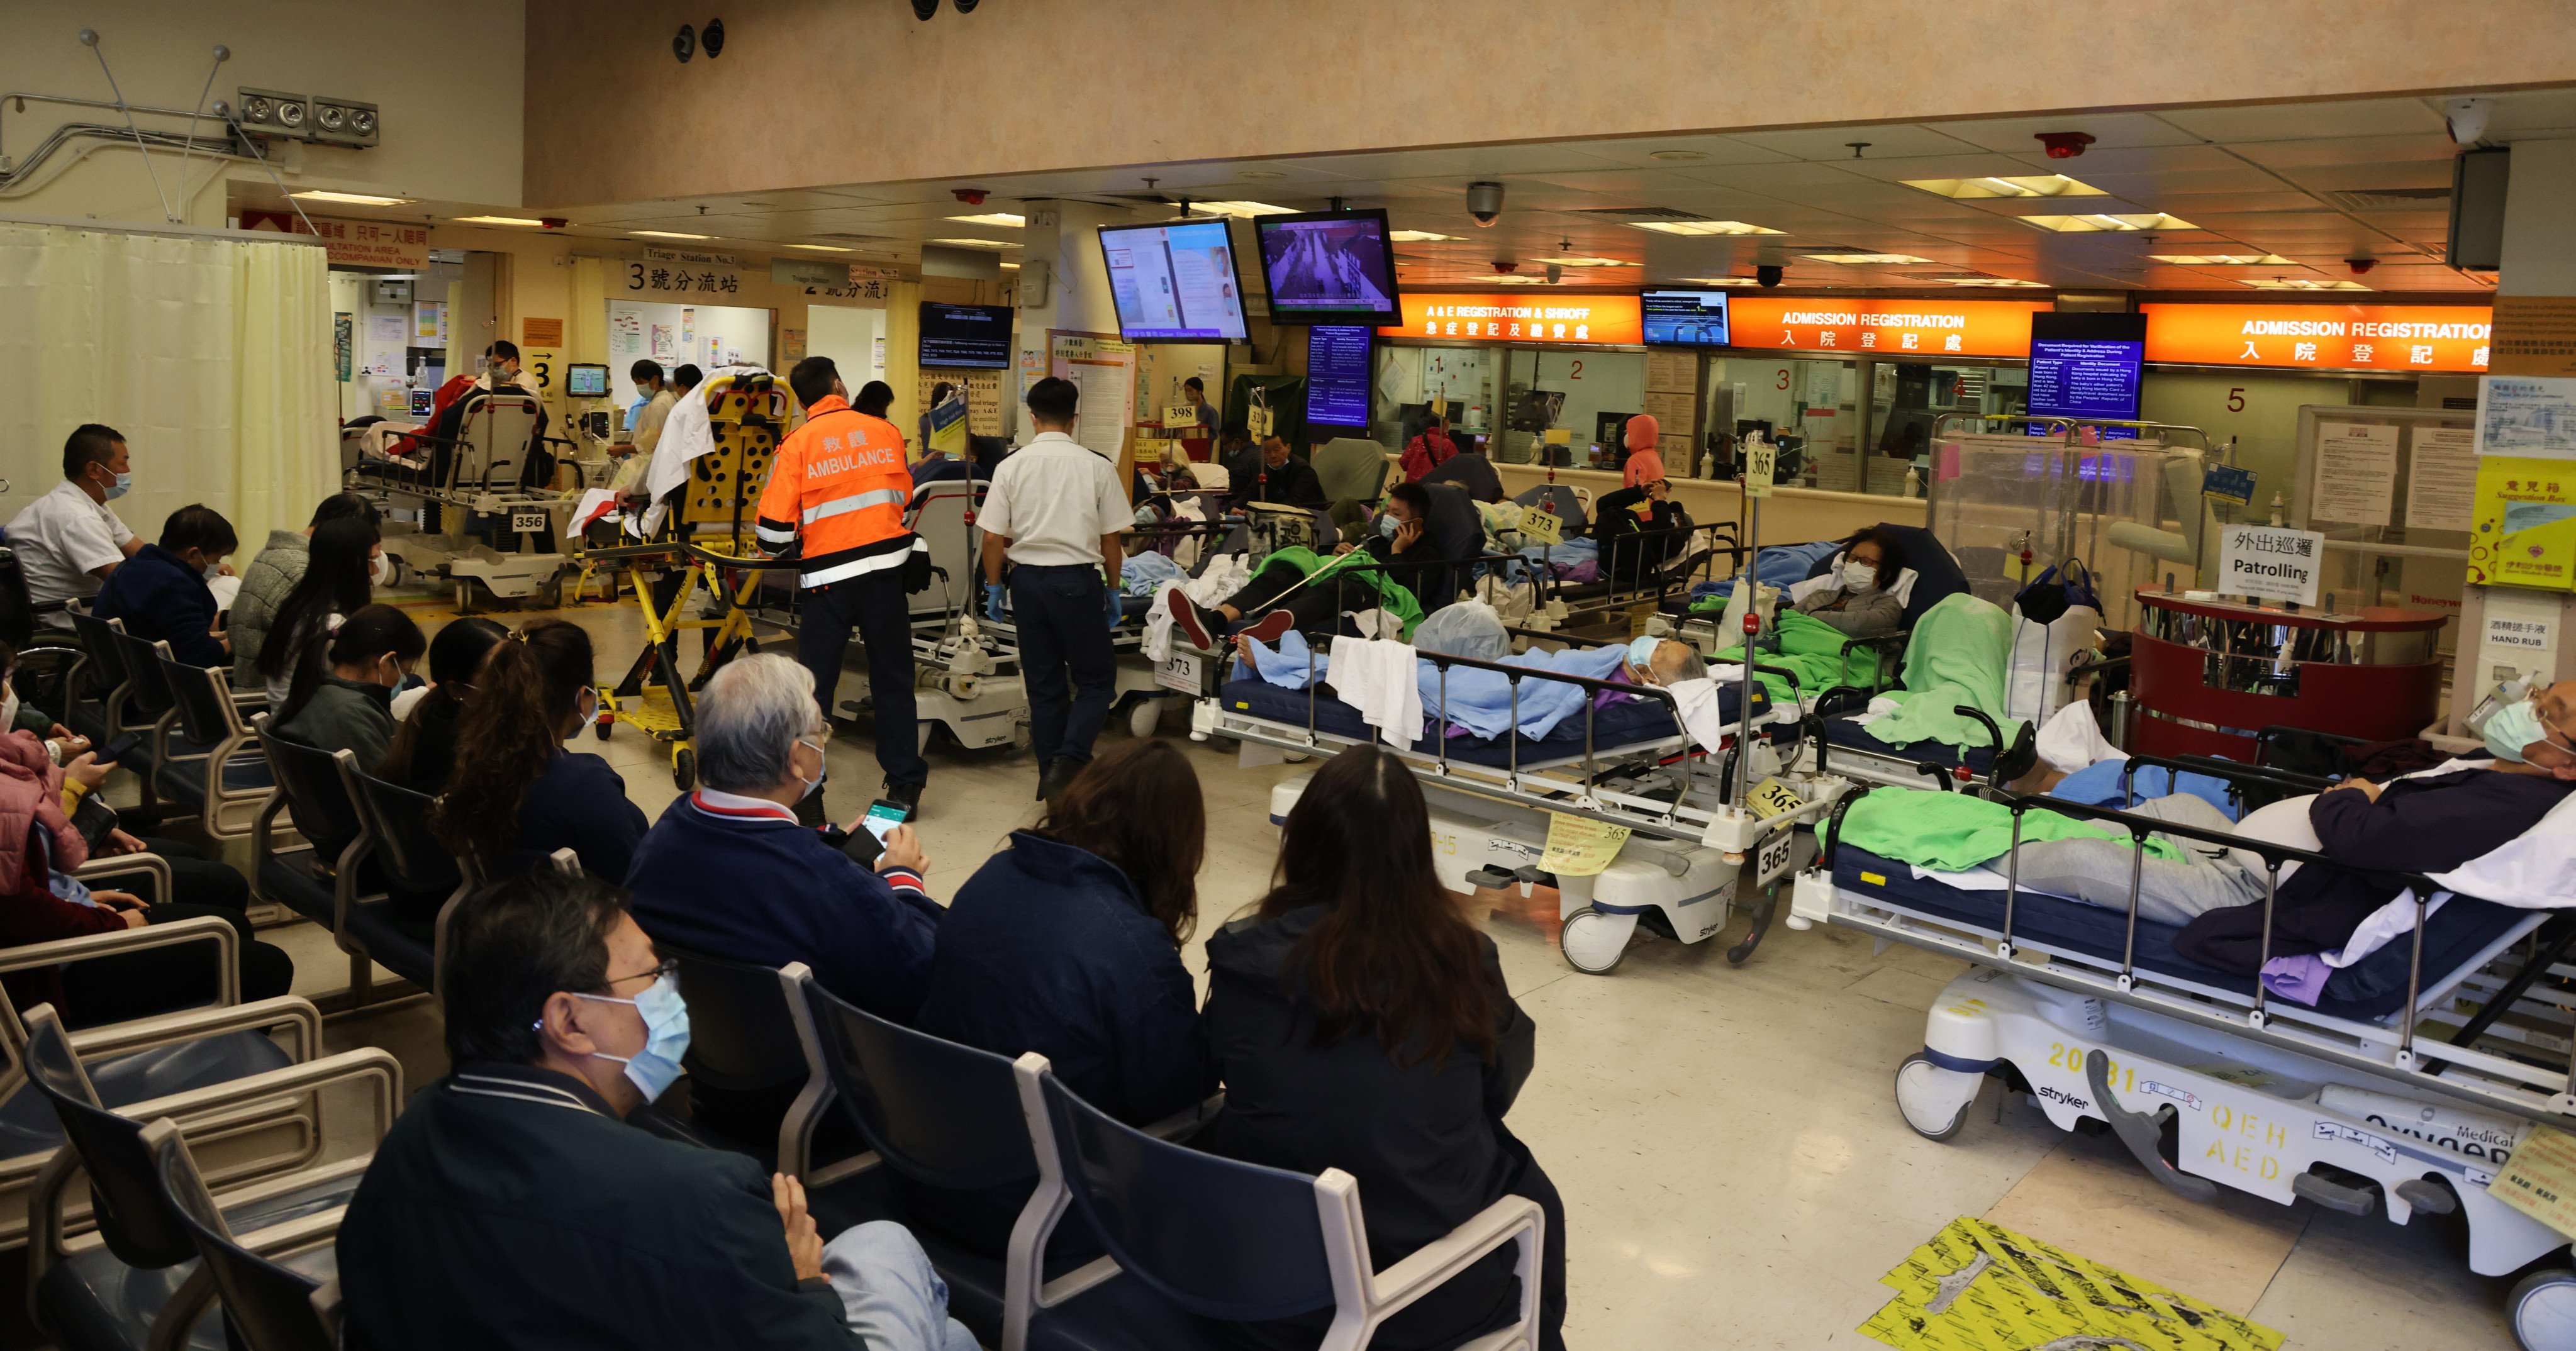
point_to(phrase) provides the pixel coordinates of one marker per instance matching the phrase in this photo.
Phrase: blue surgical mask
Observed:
(666, 1037)
(1641, 652)
(124, 485)
(1386, 524)
(2513, 727)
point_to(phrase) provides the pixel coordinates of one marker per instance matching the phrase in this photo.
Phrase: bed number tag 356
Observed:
(523, 522)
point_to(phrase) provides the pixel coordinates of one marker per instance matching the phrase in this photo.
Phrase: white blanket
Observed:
(1377, 677)
(2070, 740)
(2536, 871)
(687, 434)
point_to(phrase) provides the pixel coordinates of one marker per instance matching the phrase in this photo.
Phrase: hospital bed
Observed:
(2211, 1081)
(483, 470)
(1696, 853)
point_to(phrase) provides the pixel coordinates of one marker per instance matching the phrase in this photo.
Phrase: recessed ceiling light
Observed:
(972, 243)
(1969, 189)
(1261, 174)
(1585, 260)
(353, 198)
(1419, 236)
(823, 248)
(2300, 284)
(1859, 258)
(1241, 208)
(2102, 222)
(1703, 227)
(1012, 219)
(1011, 265)
(667, 234)
(2224, 259)
(498, 220)
(1678, 156)
(1988, 281)
(1718, 281)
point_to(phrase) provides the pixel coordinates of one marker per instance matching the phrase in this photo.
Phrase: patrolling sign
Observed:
(2271, 563)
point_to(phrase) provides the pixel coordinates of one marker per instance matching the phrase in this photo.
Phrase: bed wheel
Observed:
(1933, 1100)
(1595, 943)
(1145, 716)
(2542, 1309)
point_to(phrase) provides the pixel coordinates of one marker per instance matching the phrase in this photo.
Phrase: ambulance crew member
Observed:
(836, 492)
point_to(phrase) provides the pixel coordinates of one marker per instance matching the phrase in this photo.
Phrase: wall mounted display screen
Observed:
(586, 380)
(1337, 374)
(1331, 267)
(1685, 318)
(1174, 282)
(977, 336)
(2086, 366)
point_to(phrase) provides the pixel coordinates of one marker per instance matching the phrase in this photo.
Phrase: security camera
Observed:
(1485, 203)
(1767, 273)
(2468, 119)
(1555, 274)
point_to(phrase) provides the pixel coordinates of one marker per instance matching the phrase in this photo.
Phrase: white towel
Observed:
(1701, 716)
(2071, 739)
(1378, 678)
(2536, 871)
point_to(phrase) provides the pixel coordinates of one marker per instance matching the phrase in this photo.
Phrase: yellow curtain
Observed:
(212, 354)
(586, 328)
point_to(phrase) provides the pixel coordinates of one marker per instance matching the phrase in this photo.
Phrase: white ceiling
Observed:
(2250, 180)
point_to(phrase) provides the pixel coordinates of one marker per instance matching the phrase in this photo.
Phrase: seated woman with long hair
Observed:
(339, 578)
(344, 683)
(424, 746)
(1068, 943)
(516, 795)
(1361, 1023)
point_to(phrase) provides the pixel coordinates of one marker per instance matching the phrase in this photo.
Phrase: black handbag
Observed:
(2059, 589)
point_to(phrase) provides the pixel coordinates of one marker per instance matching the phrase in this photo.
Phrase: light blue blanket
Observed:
(1481, 700)
(1285, 665)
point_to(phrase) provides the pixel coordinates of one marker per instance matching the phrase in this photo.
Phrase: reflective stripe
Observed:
(882, 497)
(856, 567)
(773, 534)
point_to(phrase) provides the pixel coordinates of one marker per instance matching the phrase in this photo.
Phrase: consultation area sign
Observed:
(2087, 366)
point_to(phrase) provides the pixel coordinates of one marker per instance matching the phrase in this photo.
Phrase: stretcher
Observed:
(2211, 1081)
(481, 471)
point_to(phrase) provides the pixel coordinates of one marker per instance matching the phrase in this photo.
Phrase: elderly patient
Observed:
(514, 1205)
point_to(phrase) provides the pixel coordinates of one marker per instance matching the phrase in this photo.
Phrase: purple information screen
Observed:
(1337, 374)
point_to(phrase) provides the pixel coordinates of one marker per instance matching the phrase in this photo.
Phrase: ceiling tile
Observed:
(2435, 148)
(1886, 142)
(2108, 130)
(2301, 121)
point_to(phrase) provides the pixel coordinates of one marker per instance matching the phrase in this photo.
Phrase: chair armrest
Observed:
(1513, 1217)
(295, 1235)
(151, 865)
(169, 1029)
(56, 952)
(364, 1064)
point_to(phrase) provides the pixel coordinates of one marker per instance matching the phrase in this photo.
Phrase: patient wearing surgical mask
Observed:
(516, 794)
(1859, 603)
(1661, 662)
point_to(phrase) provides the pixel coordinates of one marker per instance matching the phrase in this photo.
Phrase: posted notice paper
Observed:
(2442, 489)
(2356, 473)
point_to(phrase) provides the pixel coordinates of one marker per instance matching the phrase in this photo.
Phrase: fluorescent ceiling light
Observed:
(1586, 260)
(353, 198)
(2301, 284)
(1241, 208)
(823, 248)
(2102, 222)
(1703, 227)
(1012, 219)
(1989, 281)
(1419, 237)
(972, 243)
(1011, 265)
(1857, 258)
(667, 234)
(2224, 259)
(1969, 189)
(497, 220)
(1718, 281)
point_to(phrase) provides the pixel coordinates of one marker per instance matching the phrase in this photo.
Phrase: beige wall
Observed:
(444, 74)
(833, 92)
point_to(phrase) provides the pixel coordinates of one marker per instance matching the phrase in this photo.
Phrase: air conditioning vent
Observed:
(2389, 199)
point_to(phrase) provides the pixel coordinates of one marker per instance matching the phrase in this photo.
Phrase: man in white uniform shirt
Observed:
(1056, 511)
(67, 541)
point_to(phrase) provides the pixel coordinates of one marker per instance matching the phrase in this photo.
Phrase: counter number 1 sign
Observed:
(1760, 463)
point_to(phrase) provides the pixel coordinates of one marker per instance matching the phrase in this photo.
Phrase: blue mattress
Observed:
(2369, 989)
(1621, 724)
(1842, 731)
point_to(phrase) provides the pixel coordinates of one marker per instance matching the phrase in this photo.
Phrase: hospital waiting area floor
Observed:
(1734, 1168)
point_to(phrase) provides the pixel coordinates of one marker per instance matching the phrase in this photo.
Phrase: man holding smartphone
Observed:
(1055, 512)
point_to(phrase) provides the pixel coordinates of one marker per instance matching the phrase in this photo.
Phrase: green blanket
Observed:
(1392, 596)
(1958, 655)
(1815, 650)
(1955, 831)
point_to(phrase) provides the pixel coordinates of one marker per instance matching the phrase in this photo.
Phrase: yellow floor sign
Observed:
(1981, 1287)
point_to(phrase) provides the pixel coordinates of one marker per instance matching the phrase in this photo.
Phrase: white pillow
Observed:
(2283, 823)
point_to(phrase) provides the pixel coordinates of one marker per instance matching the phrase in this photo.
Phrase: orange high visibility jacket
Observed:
(840, 485)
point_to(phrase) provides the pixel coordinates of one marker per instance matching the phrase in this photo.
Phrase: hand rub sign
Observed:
(2270, 563)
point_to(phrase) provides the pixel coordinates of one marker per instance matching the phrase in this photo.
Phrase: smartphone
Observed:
(116, 750)
(884, 816)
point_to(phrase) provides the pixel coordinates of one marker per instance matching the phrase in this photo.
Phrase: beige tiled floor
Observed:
(1734, 1169)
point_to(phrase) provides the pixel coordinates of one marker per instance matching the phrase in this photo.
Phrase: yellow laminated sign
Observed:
(1578, 846)
(1980, 1287)
(2523, 527)
(2540, 1179)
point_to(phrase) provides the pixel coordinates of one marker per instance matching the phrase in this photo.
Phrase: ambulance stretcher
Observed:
(2210, 1080)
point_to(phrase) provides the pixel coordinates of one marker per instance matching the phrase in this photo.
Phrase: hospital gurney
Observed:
(2092, 1012)
(1694, 856)
(484, 471)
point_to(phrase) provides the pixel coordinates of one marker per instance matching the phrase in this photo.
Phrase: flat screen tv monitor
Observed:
(2086, 366)
(1685, 318)
(974, 336)
(586, 380)
(1337, 374)
(1174, 281)
(1329, 267)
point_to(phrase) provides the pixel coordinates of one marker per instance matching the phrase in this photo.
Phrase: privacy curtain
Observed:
(211, 353)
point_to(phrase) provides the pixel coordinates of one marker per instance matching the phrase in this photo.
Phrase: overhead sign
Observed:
(2270, 562)
(1538, 317)
(1930, 327)
(666, 271)
(372, 243)
(2326, 337)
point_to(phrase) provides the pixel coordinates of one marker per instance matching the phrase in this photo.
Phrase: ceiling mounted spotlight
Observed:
(684, 44)
(343, 122)
(257, 108)
(712, 38)
(923, 9)
(362, 122)
(269, 113)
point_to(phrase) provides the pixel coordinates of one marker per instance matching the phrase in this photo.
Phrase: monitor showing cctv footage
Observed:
(1329, 267)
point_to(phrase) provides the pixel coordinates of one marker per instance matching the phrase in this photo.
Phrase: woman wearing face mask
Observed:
(344, 563)
(344, 684)
(516, 795)
(1858, 603)
(424, 750)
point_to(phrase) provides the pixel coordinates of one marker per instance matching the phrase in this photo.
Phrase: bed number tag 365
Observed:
(1771, 798)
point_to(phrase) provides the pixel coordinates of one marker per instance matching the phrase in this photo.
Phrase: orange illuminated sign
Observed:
(1899, 328)
(1540, 317)
(2329, 337)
